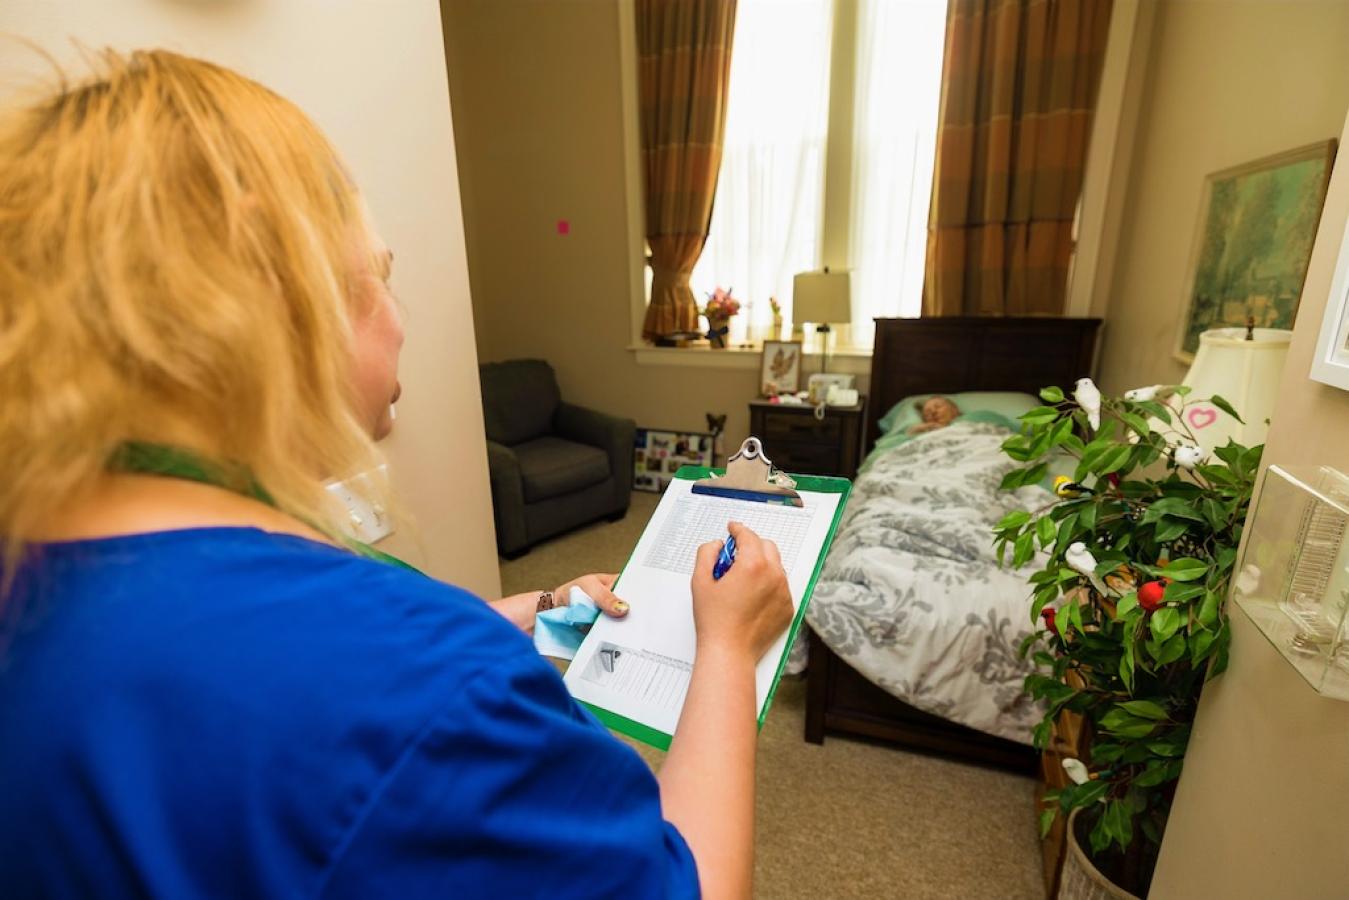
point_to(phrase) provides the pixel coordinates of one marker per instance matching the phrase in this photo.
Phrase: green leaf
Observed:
(1127, 604)
(1047, 816)
(1172, 650)
(1225, 407)
(1146, 709)
(1013, 520)
(1136, 422)
(1113, 459)
(1200, 643)
(1168, 530)
(1023, 549)
(1164, 623)
(1180, 591)
(1040, 415)
(1089, 793)
(1157, 410)
(1046, 531)
(1208, 610)
(1126, 666)
(1186, 569)
(1066, 529)
(1051, 394)
(1087, 517)
(1175, 507)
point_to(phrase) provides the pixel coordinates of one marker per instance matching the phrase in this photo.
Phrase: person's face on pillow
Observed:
(377, 335)
(940, 410)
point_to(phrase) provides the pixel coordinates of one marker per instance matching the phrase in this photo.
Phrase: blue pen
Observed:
(724, 558)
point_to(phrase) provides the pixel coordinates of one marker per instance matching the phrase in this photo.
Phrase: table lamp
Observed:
(824, 298)
(1241, 365)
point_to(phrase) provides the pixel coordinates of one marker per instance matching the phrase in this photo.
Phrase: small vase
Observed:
(718, 327)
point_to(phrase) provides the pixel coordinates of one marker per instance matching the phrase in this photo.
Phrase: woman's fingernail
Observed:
(620, 607)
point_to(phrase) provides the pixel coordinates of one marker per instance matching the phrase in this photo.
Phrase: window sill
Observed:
(842, 360)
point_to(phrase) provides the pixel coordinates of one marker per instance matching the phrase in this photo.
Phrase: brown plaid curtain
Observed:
(1019, 86)
(684, 68)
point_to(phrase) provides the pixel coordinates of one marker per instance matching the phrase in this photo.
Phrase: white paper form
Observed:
(639, 666)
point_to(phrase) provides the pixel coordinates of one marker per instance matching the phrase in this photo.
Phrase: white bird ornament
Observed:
(1144, 394)
(1076, 770)
(1088, 396)
(1081, 561)
(1187, 456)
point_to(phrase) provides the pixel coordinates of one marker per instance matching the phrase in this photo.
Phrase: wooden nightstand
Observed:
(799, 443)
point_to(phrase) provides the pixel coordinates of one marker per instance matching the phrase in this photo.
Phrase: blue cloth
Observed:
(229, 713)
(557, 631)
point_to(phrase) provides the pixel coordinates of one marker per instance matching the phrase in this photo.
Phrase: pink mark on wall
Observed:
(563, 226)
(1202, 418)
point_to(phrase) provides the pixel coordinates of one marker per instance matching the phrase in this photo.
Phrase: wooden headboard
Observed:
(950, 355)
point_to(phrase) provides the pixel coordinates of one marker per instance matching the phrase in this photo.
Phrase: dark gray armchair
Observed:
(553, 465)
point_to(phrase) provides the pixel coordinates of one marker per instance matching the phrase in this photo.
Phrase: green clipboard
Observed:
(816, 484)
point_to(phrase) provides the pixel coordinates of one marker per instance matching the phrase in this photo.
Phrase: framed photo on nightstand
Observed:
(780, 368)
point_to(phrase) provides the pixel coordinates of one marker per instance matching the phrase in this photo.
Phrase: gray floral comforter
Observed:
(911, 595)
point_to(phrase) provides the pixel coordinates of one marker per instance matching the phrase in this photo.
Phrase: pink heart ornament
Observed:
(1202, 418)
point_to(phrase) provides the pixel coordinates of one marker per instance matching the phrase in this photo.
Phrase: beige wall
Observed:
(373, 76)
(538, 107)
(1261, 807)
(1229, 81)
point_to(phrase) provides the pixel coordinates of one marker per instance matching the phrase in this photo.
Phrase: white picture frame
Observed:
(1330, 364)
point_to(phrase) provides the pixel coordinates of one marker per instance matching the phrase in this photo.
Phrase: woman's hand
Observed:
(522, 608)
(750, 606)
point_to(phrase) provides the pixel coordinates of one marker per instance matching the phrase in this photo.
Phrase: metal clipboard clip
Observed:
(751, 476)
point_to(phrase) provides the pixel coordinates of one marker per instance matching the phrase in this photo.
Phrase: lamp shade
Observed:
(1245, 374)
(822, 297)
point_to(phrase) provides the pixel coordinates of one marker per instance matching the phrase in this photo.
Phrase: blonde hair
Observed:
(175, 249)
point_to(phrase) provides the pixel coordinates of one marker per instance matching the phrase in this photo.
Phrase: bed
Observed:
(910, 593)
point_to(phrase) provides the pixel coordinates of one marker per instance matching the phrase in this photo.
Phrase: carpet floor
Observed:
(847, 819)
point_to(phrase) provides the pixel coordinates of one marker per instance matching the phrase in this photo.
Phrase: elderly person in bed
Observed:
(937, 412)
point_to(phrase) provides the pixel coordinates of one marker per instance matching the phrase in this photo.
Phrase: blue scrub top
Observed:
(225, 712)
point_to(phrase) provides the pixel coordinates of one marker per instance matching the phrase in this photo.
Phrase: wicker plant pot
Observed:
(1080, 879)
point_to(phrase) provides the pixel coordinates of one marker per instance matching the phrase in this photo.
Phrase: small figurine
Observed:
(937, 412)
(1088, 396)
(1151, 392)
(1187, 456)
(1081, 561)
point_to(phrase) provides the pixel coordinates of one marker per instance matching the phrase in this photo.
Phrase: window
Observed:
(899, 57)
(771, 218)
(766, 220)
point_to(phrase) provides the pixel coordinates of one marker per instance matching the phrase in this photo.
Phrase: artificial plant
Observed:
(1133, 558)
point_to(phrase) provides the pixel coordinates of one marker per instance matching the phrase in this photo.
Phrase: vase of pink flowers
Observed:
(719, 309)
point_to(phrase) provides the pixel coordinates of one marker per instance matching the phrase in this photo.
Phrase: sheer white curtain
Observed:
(770, 193)
(899, 57)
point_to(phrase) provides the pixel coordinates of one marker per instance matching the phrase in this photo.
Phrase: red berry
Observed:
(1150, 595)
(1113, 478)
(1048, 615)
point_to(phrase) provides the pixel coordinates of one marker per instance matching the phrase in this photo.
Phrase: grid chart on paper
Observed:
(695, 521)
(653, 678)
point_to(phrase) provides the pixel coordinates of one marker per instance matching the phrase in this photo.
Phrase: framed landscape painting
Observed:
(1256, 226)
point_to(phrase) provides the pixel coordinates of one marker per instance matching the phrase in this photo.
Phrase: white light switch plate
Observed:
(365, 522)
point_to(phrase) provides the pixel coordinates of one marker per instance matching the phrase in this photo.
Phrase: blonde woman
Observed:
(204, 691)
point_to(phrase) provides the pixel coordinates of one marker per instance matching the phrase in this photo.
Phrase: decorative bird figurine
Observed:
(1151, 392)
(1076, 770)
(1088, 396)
(1068, 489)
(1187, 456)
(1081, 561)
